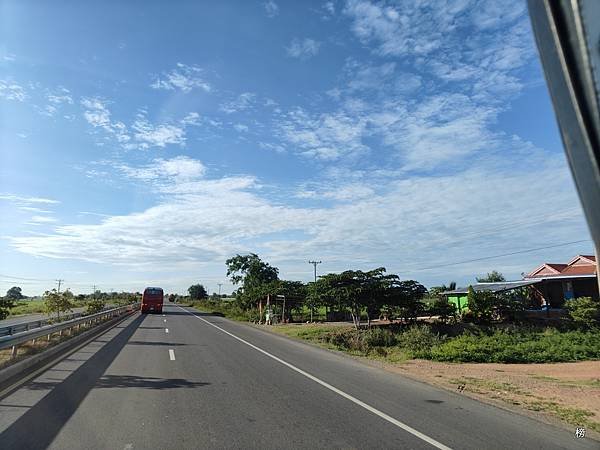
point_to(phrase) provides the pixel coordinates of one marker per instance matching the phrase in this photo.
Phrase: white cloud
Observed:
(42, 219)
(192, 118)
(142, 134)
(241, 128)
(324, 136)
(62, 95)
(244, 101)
(27, 200)
(10, 90)
(271, 8)
(303, 48)
(149, 135)
(375, 220)
(329, 7)
(35, 210)
(183, 78)
(178, 169)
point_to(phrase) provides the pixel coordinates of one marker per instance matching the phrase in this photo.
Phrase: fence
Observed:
(47, 330)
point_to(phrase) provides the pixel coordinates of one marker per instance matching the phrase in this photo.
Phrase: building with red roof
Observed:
(560, 282)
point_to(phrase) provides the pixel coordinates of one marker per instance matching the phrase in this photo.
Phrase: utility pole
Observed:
(314, 263)
(59, 281)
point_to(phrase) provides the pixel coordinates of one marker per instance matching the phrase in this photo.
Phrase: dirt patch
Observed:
(566, 391)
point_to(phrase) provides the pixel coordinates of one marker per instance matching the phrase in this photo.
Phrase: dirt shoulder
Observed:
(567, 392)
(564, 394)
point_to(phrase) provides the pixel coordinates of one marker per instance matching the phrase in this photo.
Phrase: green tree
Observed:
(295, 293)
(5, 305)
(492, 277)
(256, 277)
(482, 304)
(197, 292)
(57, 302)
(94, 306)
(584, 311)
(357, 291)
(8, 301)
(14, 293)
(404, 298)
(444, 309)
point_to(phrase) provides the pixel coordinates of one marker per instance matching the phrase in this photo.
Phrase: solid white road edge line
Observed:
(354, 400)
(171, 354)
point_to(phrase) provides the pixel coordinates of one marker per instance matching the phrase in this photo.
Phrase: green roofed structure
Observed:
(458, 297)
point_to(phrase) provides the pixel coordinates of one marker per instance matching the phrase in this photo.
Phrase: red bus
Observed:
(152, 300)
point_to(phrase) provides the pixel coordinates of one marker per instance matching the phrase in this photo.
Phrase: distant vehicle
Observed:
(152, 300)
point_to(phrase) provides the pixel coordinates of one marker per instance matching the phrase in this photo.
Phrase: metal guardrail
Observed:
(32, 324)
(12, 341)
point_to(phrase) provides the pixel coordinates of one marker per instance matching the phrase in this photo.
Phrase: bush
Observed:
(524, 346)
(418, 340)
(346, 339)
(584, 311)
(94, 306)
(379, 337)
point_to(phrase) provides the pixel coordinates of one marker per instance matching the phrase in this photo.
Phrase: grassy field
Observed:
(28, 307)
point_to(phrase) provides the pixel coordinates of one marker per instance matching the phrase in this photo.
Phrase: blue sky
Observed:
(143, 143)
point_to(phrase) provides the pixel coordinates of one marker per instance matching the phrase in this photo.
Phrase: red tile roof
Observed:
(587, 269)
(576, 267)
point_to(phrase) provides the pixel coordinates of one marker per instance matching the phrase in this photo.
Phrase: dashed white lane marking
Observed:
(171, 354)
(165, 320)
(354, 400)
(166, 330)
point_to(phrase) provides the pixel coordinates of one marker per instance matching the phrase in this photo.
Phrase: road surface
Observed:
(209, 382)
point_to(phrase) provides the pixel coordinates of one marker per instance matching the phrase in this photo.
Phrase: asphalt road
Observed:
(212, 383)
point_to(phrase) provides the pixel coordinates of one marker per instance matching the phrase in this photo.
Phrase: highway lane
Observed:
(195, 386)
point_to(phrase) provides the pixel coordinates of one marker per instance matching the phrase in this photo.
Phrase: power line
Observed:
(500, 256)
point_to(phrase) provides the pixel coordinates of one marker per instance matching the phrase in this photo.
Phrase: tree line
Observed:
(371, 294)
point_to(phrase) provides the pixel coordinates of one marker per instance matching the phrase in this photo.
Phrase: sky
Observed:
(143, 143)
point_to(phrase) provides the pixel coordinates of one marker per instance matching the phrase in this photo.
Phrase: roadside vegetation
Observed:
(58, 304)
(400, 319)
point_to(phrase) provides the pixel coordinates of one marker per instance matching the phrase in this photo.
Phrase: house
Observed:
(458, 297)
(560, 282)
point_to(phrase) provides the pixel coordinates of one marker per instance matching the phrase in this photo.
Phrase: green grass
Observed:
(574, 416)
(28, 307)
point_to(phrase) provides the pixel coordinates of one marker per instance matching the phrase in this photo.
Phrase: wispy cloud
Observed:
(10, 90)
(244, 101)
(142, 134)
(370, 222)
(27, 200)
(148, 135)
(303, 48)
(183, 78)
(271, 8)
(60, 96)
(42, 219)
(324, 136)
